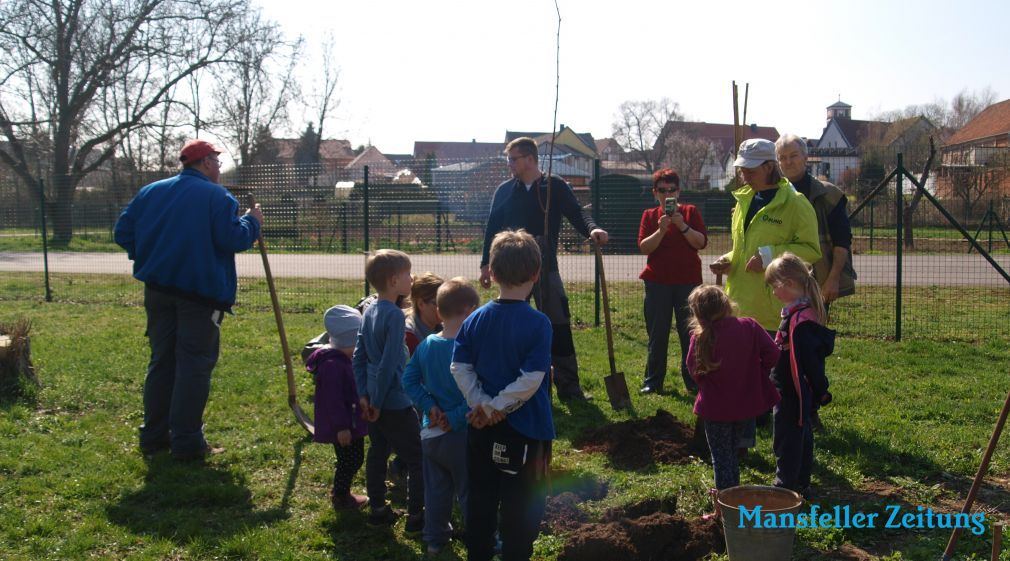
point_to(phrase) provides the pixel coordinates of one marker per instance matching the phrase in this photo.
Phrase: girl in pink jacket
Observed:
(729, 358)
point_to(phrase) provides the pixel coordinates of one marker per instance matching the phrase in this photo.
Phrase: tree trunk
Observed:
(60, 209)
(909, 211)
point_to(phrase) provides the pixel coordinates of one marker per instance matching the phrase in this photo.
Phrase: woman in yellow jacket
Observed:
(770, 218)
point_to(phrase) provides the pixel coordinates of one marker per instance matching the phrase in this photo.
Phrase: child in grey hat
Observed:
(337, 415)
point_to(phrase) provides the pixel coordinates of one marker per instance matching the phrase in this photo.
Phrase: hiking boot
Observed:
(384, 516)
(349, 501)
(415, 524)
(197, 455)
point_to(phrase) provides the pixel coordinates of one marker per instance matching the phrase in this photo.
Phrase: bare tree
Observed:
(688, 155)
(61, 55)
(950, 115)
(324, 100)
(256, 84)
(639, 124)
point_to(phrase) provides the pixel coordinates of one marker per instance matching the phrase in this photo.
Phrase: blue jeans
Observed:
(185, 339)
(445, 477)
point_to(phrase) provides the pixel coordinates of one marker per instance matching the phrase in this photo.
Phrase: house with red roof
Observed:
(975, 160)
(711, 168)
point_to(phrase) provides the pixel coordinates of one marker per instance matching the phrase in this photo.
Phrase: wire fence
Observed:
(319, 223)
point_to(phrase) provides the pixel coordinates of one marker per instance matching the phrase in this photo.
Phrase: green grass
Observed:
(909, 418)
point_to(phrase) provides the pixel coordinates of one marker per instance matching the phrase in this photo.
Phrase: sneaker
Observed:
(415, 524)
(198, 455)
(434, 549)
(349, 502)
(385, 516)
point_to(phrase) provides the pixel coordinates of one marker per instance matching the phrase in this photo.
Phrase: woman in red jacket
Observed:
(671, 234)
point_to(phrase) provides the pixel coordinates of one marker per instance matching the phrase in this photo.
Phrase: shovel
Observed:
(300, 415)
(617, 388)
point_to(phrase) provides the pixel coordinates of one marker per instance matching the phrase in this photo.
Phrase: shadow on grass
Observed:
(886, 470)
(186, 502)
(354, 539)
(572, 418)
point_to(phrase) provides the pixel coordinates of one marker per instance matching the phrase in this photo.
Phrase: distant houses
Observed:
(975, 160)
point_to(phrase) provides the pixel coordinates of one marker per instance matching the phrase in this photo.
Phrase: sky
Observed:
(460, 70)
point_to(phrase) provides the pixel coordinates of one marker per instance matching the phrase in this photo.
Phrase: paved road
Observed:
(919, 270)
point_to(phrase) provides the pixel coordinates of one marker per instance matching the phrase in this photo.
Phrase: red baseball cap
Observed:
(195, 150)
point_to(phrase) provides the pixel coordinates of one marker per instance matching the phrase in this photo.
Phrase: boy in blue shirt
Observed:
(443, 434)
(504, 350)
(378, 360)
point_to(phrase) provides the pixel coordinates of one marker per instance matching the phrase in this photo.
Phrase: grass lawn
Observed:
(907, 427)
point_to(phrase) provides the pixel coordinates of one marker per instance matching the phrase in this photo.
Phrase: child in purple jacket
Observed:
(337, 416)
(729, 358)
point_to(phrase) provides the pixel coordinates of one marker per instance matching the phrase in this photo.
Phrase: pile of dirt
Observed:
(659, 535)
(640, 443)
(562, 513)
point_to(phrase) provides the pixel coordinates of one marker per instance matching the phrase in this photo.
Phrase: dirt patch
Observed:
(659, 535)
(667, 505)
(640, 443)
(562, 513)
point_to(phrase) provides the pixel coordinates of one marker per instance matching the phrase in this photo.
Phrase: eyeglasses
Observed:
(664, 190)
(512, 160)
(214, 159)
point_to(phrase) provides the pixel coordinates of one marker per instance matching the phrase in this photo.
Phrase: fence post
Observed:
(873, 203)
(365, 214)
(596, 264)
(45, 242)
(899, 208)
(438, 227)
(343, 226)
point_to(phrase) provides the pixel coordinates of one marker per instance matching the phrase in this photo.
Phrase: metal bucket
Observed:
(761, 543)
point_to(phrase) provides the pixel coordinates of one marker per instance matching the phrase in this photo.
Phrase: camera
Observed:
(670, 206)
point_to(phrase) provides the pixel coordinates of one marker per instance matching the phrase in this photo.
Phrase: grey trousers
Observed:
(662, 303)
(445, 479)
(185, 340)
(551, 299)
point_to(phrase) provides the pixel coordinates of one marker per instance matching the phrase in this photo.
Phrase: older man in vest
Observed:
(834, 270)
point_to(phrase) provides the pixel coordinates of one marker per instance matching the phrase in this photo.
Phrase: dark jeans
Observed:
(521, 497)
(397, 430)
(793, 445)
(662, 302)
(185, 340)
(551, 299)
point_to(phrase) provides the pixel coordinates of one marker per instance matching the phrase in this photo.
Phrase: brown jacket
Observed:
(824, 198)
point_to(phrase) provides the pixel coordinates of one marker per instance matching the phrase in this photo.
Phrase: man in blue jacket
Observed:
(182, 234)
